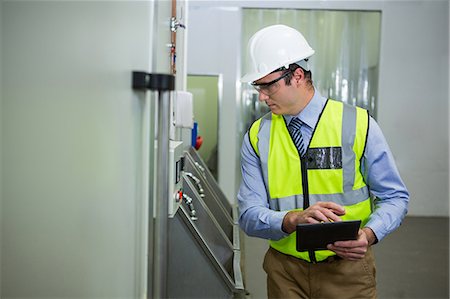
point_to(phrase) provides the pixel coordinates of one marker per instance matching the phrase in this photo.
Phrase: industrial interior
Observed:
(122, 123)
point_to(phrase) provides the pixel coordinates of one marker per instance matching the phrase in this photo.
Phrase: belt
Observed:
(331, 259)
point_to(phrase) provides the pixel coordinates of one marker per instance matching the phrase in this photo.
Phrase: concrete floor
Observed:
(412, 262)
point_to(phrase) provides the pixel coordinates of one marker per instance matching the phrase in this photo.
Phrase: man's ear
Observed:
(299, 75)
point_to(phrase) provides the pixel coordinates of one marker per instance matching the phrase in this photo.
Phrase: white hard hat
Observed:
(273, 47)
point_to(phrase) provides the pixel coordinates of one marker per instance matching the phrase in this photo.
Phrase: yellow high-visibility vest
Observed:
(328, 171)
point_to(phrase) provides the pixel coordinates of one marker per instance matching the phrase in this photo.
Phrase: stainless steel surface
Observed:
(210, 231)
(223, 214)
(162, 195)
(238, 280)
(193, 270)
(202, 169)
(205, 262)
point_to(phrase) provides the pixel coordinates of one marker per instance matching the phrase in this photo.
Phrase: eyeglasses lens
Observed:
(268, 89)
(271, 87)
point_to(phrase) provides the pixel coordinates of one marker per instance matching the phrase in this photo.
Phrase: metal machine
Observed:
(196, 251)
(204, 249)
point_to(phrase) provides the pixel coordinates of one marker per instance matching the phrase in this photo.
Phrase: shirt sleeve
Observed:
(255, 216)
(384, 181)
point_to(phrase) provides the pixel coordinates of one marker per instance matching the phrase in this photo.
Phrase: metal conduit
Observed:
(162, 196)
(157, 271)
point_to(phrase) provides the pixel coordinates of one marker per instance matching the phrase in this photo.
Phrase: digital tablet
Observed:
(318, 236)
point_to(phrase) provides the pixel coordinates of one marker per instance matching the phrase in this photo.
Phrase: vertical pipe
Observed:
(162, 195)
(173, 39)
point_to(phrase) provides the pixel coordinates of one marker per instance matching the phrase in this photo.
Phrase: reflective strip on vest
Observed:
(295, 202)
(348, 156)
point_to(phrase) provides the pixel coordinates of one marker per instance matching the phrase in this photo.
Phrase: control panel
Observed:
(176, 161)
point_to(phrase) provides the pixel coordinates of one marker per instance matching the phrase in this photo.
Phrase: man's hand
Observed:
(319, 212)
(354, 249)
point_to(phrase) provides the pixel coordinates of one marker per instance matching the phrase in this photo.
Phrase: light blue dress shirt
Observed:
(378, 167)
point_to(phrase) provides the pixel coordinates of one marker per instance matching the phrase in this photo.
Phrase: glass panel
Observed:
(205, 91)
(345, 65)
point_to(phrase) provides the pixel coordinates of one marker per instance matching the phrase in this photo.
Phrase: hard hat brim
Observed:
(254, 76)
(251, 77)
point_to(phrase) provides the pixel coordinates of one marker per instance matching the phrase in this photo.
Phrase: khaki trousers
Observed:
(290, 277)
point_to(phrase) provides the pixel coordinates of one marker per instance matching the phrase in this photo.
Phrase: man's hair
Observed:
(292, 68)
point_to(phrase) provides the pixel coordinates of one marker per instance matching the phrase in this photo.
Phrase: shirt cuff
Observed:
(377, 226)
(276, 221)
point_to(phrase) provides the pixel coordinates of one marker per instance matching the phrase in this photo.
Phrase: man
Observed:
(313, 160)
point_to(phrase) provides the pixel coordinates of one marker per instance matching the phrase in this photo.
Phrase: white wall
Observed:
(413, 86)
(71, 217)
(75, 144)
(414, 99)
(213, 48)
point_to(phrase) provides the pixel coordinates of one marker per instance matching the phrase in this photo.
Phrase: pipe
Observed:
(162, 195)
(201, 168)
(197, 183)
(158, 243)
(189, 201)
(173, 39)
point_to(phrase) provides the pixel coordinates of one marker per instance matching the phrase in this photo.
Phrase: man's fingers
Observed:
(337, 209)
(326, 215)
(348, 253)
(330, 216)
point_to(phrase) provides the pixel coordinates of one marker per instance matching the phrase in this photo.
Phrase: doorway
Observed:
(206, 91)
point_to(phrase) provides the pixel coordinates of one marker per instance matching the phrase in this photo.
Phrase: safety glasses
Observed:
(269, 88)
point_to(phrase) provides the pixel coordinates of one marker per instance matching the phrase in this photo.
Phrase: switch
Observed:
(183, 110)
(179, 196)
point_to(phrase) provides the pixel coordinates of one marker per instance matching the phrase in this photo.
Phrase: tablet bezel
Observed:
(317, 236)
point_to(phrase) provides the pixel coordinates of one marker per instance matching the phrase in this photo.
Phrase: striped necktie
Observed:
(296, 135)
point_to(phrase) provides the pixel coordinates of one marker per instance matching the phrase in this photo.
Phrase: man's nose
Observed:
(262, 97)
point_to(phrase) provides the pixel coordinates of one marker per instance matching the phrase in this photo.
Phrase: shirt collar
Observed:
(310, 114)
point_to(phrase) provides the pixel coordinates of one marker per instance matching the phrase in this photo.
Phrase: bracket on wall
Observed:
(155, 82)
